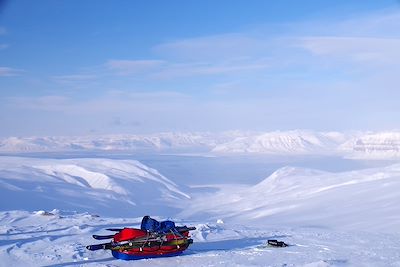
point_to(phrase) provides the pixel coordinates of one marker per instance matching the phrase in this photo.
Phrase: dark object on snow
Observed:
(276, 243)
(154, 239)
(151, 225)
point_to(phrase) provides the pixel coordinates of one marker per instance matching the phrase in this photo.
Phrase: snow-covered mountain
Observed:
(383, 145)
(32, 144)
(153, 142)
(113, 187)
(290, 142)
(379, 145)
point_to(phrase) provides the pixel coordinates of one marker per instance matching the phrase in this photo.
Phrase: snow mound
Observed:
(98, 185)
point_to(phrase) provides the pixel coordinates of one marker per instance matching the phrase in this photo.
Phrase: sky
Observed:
(71, 67)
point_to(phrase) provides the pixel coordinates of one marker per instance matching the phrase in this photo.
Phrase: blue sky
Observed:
(99, 67)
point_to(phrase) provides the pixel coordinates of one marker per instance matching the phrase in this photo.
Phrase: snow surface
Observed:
(50, 208)
(59, 239)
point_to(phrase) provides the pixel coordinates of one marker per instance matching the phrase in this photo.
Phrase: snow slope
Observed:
(365, 199)
(113, 187)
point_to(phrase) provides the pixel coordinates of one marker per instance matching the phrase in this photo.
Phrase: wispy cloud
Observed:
(321, 76)
(381, 24)
(116, 101)
(4, 46)
(74, 78)
(216, 47)
(130, 67)
(47, 103)
(252, 55)
(176, 70)
(6, 71)
(3, 31)
(213, 55)
(362, 49)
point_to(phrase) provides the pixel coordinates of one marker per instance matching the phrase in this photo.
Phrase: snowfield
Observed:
(51, 207)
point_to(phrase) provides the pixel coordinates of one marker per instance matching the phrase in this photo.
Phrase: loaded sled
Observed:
(153, 239)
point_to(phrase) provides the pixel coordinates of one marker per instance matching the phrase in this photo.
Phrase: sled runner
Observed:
(153, 239)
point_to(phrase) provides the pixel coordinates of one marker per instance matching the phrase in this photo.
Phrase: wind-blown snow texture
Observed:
(329, 219)
(382, 145)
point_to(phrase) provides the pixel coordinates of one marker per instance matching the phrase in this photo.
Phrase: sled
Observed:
(153, 239)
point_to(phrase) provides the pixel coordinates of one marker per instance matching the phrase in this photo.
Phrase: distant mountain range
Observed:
(379, 145)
